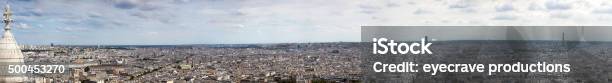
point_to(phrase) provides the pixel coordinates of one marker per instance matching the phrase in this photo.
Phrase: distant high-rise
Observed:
(10, 53)
(426, 39)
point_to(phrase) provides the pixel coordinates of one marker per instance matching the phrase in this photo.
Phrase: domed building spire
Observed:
(10, 53)
(7, 17)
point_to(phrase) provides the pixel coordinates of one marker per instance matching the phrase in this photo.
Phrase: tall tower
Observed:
(10, 53)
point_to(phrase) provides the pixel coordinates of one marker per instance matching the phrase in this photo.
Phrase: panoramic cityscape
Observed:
(304, 41)
(305, 62)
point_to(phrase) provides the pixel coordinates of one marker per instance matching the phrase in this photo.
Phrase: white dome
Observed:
(10, 53)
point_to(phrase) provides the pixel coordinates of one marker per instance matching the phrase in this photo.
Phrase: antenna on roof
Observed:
(562, 36)
(582, 34)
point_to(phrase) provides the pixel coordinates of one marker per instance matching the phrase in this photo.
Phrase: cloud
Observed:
(22, 26)
(557, 5)
(152, 33)
(505, 17)
(504, 8)
(420, 11)
(72, 29)
(270, 21)
(459, 6)
(369, 9)
(464, 6)
(127, 4)
(29, 13)
(561, 15)
(605, 10)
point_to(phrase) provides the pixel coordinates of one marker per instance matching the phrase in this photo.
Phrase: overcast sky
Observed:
(275, 21)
